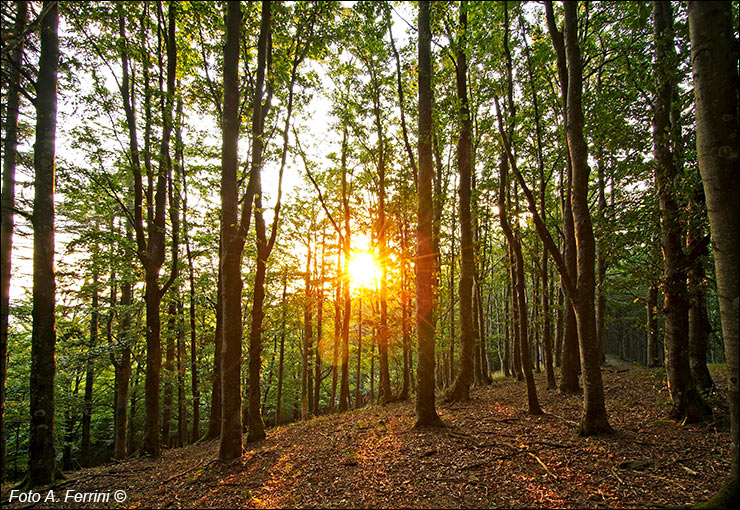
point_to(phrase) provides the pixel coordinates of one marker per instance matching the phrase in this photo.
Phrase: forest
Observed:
(370, 254)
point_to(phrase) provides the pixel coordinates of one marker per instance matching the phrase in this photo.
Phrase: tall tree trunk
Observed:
(182, 417)
(384, 393)
(337, 333)
(307, 339)
(8, 209)
(169, 375)
(699, 325)
(358, 385)
(319, 329)
(688, 404)
(232, 244)
(123, 371)
(569, 362)
(90, 371)
(515, 245)
(283, 330)
(460, 389)
(601, 257)
(194, 381)
(214, 419)
(714, 56)
(344, 384)
(426, 413)
(41, 449)
(594, 419)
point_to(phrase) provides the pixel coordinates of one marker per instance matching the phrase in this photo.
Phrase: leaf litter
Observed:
(492, 454)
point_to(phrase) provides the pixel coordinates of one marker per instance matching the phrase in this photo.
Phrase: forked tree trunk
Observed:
(594, 419)
(569, 362)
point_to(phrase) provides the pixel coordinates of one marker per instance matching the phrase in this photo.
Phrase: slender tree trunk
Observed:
(515, 245)
(699, 325)
(337, 332)
(601, 258)
(307, 340)
(182, 417)
(319, 330)
(123, 372)
(214, 419)
(256, 426)
(8, 210)
(358, 385)
(283, 330)
(688, 404)
(460, 389)
(569, 362)
(41, 450)
(426, 414)
(714, 56)
(194, 382)
(594, 419)
(90, 372)
(169, 375)
(507, 341)
(344, 384)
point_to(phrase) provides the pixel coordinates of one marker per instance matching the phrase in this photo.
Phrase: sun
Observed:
(364, 270)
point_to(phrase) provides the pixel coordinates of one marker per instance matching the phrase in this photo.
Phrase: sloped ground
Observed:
(493, 454)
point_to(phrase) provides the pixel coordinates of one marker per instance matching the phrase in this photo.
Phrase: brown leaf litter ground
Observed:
(493, 454)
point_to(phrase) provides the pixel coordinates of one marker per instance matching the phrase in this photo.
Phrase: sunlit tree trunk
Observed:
(426, 413)
(41, 448)
(8, 209)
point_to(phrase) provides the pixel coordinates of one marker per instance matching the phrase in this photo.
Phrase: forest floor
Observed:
(492, 454)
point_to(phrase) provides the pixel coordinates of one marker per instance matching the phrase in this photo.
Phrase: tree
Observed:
(714, 56)
(594, 412)
(41, 449)
(426, 414)
(15, 61)
(233, 234)
(688, 404)
(461, 387)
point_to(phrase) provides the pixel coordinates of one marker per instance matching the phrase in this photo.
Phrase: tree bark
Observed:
(90, 372)
(283, 330)
(232, 244)
(594, 419)
(426, 413)
(41, 448)
(714, 56)
(688, 404)
(460, 389)
(8, 210)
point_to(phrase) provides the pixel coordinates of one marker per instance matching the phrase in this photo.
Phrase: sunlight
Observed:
(364, 270)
